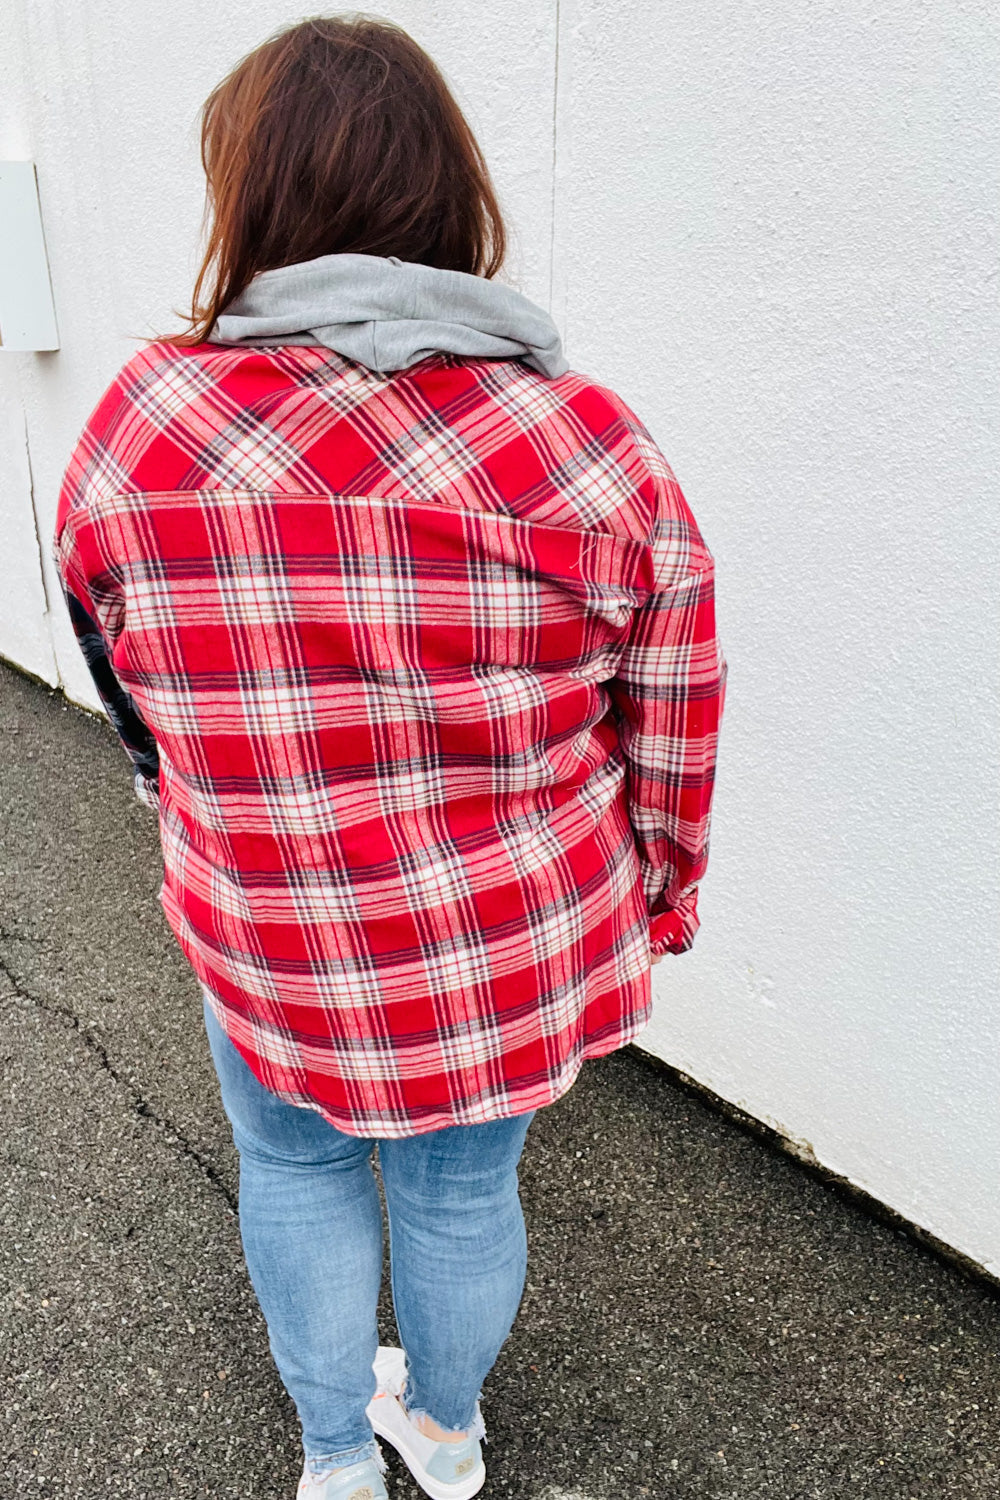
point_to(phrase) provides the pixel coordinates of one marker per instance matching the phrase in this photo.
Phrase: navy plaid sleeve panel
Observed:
(124, 717)
(430, 666)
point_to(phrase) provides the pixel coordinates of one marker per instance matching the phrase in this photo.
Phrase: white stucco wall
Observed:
(773, 229)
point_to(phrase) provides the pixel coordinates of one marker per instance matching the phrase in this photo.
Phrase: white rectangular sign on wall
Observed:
(27, 314)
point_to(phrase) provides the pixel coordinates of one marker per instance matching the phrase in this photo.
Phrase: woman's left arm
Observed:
(127, 722)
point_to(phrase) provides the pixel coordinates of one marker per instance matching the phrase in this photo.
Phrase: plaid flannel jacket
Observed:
(420, 671)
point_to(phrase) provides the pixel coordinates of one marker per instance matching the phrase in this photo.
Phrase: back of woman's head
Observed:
(339, 135)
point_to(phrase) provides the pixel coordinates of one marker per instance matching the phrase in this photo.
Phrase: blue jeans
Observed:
(312, 1236)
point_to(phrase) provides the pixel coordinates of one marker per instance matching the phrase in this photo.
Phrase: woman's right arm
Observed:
(669, 691)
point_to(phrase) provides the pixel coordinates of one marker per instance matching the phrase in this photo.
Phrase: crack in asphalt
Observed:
(173, 1138)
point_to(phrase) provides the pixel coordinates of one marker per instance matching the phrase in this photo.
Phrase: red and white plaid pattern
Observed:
(430, 661)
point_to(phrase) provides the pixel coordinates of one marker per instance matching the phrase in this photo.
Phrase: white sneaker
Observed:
(361, 1481)
(444, 1471)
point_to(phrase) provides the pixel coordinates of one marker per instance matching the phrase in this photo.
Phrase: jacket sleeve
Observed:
(127, 722)
(668, 691)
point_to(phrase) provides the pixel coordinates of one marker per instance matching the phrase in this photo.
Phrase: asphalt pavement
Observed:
(704, 1319)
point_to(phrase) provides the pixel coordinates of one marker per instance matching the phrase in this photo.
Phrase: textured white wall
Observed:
(105, 98)
(772, 228)
(776, 227)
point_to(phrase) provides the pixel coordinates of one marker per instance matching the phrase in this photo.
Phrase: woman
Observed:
(409, 633)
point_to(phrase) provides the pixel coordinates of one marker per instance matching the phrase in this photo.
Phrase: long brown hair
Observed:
(338, 134)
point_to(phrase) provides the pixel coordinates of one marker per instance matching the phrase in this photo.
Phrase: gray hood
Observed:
(388, 313)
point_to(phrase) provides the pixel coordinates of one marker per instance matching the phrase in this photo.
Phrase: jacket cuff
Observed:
(673, 930)
(147, 789)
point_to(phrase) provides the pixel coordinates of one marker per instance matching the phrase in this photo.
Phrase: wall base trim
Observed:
(776, 1141)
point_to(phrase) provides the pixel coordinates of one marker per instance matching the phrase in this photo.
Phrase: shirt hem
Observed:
(598, 1044)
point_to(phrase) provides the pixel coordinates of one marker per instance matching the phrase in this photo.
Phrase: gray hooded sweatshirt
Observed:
(387, 313)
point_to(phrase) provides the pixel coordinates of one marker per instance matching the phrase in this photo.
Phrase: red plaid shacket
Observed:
(428, 663)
